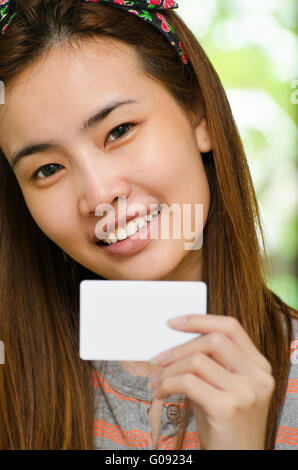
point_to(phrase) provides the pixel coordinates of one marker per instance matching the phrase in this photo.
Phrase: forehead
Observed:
(81, 63)
(56, 92)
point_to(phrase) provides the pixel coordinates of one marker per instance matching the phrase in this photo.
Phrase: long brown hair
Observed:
(45, 400)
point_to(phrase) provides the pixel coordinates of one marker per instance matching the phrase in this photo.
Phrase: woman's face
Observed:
(157, 160)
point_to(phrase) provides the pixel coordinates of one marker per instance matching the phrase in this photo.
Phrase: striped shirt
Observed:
(287, 433)
(122, 401)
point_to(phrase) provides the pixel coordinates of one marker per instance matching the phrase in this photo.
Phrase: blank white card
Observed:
(126, 320)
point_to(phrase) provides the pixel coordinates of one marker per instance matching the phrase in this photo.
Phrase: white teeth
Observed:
(121, 233)
(111, 238)
(131, 228)
(140, 221)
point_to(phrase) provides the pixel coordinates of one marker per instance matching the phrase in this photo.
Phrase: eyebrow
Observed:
(102, 114)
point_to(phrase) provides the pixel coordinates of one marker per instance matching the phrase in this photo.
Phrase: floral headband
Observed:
(5, 16)
(147, 10)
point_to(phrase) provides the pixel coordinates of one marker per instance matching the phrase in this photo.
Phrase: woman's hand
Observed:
(228, 381)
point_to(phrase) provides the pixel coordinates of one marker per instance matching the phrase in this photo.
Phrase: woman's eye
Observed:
(46, 171)
(122, 131)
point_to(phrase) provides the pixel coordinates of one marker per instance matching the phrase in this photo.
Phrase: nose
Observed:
(98, 183)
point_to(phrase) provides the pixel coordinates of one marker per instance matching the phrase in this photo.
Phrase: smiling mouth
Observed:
(140, 222)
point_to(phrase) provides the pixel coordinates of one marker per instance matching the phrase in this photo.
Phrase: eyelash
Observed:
(127, 124)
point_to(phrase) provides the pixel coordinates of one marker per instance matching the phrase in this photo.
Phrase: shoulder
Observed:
(293, 316)
(294, 321)
(294, 342)
(287, 435)
(293, 364)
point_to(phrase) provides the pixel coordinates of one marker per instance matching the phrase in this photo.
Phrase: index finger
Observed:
(195, 323)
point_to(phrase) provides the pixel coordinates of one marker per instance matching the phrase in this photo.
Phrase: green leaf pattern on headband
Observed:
(3, 14)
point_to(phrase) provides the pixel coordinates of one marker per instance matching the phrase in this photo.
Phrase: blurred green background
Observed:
(252, 45)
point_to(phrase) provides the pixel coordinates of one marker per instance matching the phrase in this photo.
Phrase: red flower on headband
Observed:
(168, 3)
(120, 2)
(184, 56)
(155, 2)
(164, 23)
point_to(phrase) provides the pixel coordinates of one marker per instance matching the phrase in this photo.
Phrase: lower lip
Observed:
(134, 243)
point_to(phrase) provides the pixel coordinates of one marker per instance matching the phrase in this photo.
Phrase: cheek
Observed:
(174, 170)
(52, 217)
(159, 171)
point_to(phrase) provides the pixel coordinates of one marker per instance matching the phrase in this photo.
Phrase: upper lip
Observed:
(122, 221)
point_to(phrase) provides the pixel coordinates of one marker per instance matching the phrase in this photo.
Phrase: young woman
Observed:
(173, 141)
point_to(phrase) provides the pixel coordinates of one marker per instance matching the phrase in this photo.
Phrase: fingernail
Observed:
(161, 358)
(178, 321)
